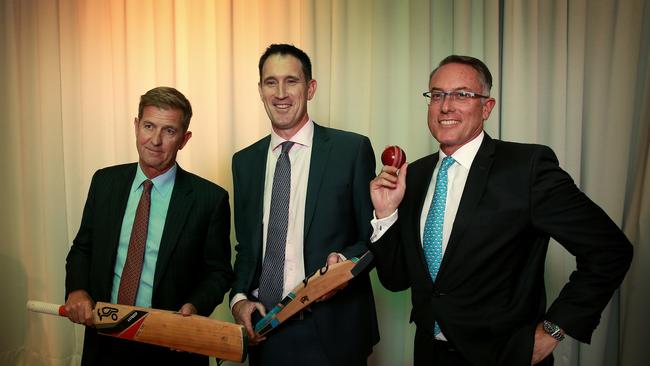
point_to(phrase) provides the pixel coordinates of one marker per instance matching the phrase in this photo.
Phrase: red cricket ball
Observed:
(393, 156)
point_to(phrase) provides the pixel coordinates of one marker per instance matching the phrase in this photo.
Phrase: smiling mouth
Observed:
(282, 106)
(152, 151)
(449, 122)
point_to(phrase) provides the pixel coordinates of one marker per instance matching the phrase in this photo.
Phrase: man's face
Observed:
(159, 134)
(285, 92)
(455, 123)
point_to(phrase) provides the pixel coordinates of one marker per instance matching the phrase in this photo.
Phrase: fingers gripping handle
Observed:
(46, 308)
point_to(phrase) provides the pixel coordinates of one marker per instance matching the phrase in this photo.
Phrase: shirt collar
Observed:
(303, 137)
(466, 153)
(162, 184)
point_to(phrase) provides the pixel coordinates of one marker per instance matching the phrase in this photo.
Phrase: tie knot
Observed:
(447, 162)
(146, 185)
(286, 146)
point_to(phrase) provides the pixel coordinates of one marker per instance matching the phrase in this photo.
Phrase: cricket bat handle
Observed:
(46, 308)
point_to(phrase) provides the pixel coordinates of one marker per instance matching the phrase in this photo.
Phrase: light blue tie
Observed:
(432, 238)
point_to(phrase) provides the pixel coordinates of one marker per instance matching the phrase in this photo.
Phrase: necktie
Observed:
(432, 238)
(272, 277)
(130, 280)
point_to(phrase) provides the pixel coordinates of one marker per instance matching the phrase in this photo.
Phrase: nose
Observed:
(156, 139)
(446, 105)
(282, 92)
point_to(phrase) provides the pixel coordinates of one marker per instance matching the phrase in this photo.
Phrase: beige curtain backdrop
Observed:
(572, 74)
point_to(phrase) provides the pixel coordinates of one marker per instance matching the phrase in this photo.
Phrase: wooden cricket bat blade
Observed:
(194, 333)
(313, 288)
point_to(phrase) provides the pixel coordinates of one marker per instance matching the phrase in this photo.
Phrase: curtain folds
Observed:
(571, 74)
(572, 82)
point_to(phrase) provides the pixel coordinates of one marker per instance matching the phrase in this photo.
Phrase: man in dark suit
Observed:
(467, 230)
(324, 213)
(175, 257)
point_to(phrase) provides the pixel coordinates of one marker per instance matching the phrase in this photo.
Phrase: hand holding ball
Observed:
(393, 156)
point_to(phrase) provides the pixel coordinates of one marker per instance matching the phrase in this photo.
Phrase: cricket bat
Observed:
(194, 333)
(311, 289)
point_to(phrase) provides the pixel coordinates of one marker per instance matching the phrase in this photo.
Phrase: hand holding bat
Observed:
(242, 312)
(333, 258)
(79, 307)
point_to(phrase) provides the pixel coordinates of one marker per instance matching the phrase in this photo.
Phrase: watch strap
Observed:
(553, 330)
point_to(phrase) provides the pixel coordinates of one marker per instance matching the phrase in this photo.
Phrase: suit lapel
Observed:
(119, 197)
(179, 207)
(257, 170)
(319, 156)
(472, 193)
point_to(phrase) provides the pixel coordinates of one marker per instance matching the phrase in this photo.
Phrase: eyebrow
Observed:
(276, 77)
(454, 89)
(161, 125)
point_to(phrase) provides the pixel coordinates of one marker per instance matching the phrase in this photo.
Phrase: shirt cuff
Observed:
(380, 226)
(237, 298)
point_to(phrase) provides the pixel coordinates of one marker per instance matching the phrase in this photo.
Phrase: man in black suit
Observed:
(185, 266)
(326, 218)
(467, 230)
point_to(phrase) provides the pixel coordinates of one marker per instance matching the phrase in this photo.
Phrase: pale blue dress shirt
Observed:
(161, 194)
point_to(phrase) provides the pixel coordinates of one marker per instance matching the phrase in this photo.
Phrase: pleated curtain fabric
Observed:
(272, 277)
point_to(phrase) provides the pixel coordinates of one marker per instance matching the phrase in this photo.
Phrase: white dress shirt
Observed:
(457, 177)
(300, 157)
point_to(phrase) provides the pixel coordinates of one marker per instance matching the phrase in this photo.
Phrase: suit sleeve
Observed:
(79, 257)
(243, 260)
(603, 253)
(364, 172)
(218, 275)
(389, 259)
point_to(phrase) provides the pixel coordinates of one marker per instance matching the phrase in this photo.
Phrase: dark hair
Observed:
(165, 97)
(484, 73)
(287, 49)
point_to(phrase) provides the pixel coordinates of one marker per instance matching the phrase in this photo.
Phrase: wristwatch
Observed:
(553, 330)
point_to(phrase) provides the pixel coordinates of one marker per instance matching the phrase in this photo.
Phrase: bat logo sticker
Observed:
(107, 311)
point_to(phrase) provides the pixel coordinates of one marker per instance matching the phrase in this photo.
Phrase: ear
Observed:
(259, 90)
(136, 122)
(487, 107)
(186, 137)
(311, 88)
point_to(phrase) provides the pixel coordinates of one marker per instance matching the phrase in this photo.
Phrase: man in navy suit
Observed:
(186, 262)
(467, 230)
(327, 219)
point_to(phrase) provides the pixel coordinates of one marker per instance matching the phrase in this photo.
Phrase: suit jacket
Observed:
(489, 293)
(337, 219)
(193, 264)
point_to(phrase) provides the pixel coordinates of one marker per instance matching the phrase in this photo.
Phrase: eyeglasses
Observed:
(438, 96)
